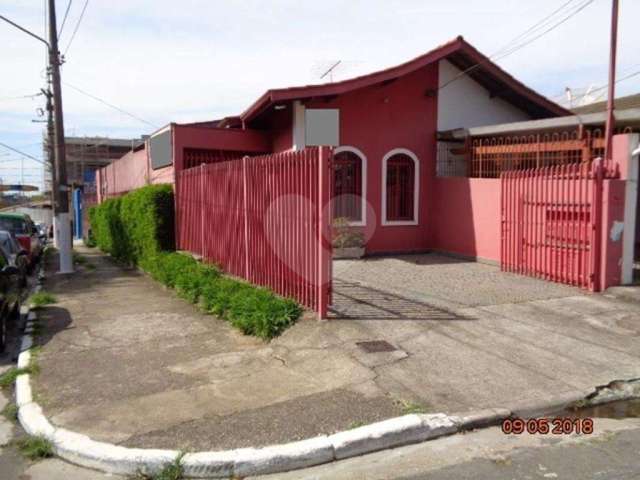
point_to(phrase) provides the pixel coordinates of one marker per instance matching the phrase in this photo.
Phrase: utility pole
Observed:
(51, 158)
(612, 83)
(63, 224)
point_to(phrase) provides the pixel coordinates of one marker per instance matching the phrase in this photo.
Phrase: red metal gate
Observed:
(551, 223)
(265, 219)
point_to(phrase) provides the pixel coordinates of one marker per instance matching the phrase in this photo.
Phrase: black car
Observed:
(9, 296)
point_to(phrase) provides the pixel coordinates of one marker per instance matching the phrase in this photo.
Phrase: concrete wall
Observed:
(466, 217)
(465, 103)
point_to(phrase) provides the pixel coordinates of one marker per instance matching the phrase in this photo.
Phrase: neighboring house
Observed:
(385, 160)
(620, 103)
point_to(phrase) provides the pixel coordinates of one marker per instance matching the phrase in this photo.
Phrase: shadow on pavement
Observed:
(355, 301)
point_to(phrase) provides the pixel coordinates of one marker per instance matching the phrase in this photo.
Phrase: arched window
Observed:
(400, 187)
(349, 184)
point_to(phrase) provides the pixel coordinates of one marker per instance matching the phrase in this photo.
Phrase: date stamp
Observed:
(546, 426)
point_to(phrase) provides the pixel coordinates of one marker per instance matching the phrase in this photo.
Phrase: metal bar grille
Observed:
(264, 219)
(550, 223)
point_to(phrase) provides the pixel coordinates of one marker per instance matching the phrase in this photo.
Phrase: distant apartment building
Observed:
(85, 155)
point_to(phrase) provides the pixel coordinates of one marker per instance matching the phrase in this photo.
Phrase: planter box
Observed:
(349, 252)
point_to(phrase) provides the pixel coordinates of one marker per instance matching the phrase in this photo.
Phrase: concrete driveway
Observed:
(124, 360)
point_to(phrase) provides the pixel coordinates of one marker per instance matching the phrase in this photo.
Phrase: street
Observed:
(612, 452)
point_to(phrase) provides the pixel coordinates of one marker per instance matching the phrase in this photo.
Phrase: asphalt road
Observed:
(611, 452)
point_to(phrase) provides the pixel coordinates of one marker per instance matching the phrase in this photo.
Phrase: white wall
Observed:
(465, 103)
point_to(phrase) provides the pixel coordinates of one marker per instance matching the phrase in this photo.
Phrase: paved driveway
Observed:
(419, 283)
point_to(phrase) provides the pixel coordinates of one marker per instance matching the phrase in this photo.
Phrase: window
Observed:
(400, 187)
(349, 184)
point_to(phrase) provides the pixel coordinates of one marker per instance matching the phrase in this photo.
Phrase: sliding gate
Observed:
(551, 223)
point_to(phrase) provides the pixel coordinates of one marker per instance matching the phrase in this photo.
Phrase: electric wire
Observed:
(75, 30)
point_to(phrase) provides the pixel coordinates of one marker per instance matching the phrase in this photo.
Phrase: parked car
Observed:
(25, 231)
(16, 254)
(9, 296)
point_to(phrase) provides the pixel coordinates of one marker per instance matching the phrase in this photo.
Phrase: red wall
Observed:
(217, 139)
(378, 119)
(466, 217)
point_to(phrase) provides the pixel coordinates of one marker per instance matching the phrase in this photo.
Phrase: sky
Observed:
(193, 60)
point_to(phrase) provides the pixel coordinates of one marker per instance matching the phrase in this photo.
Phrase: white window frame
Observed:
(363, 189)
(416, 187)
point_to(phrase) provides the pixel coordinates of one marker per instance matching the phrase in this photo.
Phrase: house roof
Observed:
(621, 103)
(460, 53)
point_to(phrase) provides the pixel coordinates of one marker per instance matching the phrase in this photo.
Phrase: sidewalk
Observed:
(126, 361)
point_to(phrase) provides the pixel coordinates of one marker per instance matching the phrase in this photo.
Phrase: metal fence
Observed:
(265, 219)
(551, 223)
(490, 156)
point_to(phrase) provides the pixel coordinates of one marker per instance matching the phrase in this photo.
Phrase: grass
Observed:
(49, 251)
(79, 259)
(10, 412)
(35, 448)
(8, 378)
(407, 407)
(82, 261)
(41, 299)
(172, 471)
(356, 424)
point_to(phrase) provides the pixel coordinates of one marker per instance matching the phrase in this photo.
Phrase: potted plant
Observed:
(347, 241)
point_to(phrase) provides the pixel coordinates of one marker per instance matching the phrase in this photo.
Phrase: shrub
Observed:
(259, 312)
(137, 228)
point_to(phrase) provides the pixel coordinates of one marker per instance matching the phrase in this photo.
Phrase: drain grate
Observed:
(375, 346)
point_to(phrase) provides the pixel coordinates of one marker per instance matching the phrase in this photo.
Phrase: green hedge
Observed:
(138, 224)
(138, 228)
(253, 310)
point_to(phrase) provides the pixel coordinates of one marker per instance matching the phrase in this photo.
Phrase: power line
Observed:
(66, 12)
(75, 30)
(20, 97)
(533, 27)
(565, 19)
(507, 50)
(9, 147)
(97, 99)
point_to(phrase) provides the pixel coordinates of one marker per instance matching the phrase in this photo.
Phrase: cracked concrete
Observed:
(126, 361)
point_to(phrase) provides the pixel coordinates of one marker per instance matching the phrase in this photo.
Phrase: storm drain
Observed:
(375, 346)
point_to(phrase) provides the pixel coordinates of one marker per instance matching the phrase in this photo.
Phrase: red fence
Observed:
(551, 223)
(265, 219)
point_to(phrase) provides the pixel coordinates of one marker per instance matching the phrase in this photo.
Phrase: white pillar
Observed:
(64, 243)
(54, 222)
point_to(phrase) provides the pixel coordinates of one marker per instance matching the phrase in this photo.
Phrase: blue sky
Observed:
(201, 59)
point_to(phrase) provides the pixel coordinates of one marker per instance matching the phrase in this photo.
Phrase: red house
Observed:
(388, 129)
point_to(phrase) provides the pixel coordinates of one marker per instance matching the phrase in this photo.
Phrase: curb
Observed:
(82, 450)
(395, 432)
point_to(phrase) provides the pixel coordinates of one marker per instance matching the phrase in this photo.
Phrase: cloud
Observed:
(194, 60)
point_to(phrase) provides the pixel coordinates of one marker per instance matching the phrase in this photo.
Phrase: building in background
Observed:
(87, 154)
